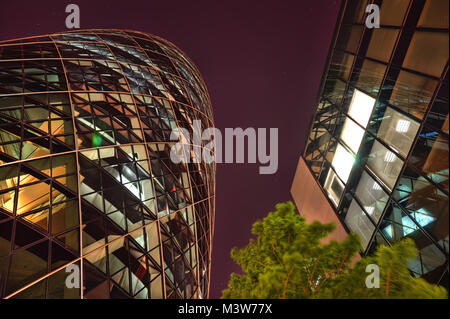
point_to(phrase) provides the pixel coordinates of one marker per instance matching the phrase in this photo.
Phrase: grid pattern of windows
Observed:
(378, 144)
(86, 180)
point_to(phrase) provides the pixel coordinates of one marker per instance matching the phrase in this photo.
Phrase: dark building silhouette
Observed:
(376, 159)
(89, 197)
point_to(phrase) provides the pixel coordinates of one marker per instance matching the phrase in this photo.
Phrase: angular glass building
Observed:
(376, 158)
(91, 206)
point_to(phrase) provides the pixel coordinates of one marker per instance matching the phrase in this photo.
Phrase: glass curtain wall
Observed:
(86, 180)
(379, 139)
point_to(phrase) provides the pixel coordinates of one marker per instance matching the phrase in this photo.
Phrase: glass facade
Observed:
(86, 179)
(378, 144)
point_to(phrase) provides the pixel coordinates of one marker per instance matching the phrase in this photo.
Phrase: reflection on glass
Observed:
(27, 265)
(431, 156)
(352, 135)
(412, 93)
(342, 64)
(434, 14)
(398, 131)
(425, 202)
(372, 196)
(358, 222)
(370, 75)
(334, 187)
(382, 43)
(397, 224)
(427, 53)
(342, 162)
(361, 107)
(349, 38)
(334, 90)
(385, 164)
(393, 12)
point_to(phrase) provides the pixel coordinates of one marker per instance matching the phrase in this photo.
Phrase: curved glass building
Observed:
(91, 206)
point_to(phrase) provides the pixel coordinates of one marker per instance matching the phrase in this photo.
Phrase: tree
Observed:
(288, 260)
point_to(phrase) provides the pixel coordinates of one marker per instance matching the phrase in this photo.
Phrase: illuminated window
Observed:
(334, 187)
(371, 196)
(369, 209)
(357, 221)
(342, 162)
(361, 107)
(384, 164)
(421, 216)
(398, 131)
(389, 157)
(402, 126)
(83, 156)
(352, 135)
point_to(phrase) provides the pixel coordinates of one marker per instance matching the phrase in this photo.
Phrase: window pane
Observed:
(352, 135)
(334, 187)
(434, 14)
(342, 162)
(427, 53)
(361, 107)
(349, 38)
(370, 75)
(341, 64)
(334, 90)
(397, 224)
(425, 203)
(8, 176)
(382, 43)
(398, 131)
(32, 197)
(412, 93)
(385, 164)
(359, 223)
(438, 116)
(64, 216)
(430, 154)
(371, 196)
(393, 12)
(57, 287)
(27, 265)
(7, 200)
(355, 11)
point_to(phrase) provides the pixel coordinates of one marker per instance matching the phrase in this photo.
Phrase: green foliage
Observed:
(288, 260)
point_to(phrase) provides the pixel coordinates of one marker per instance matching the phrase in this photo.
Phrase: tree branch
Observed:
(276, 255)
(258, 262)
(285, 284)
(323, 281)
(342, 264)
(312, 273)
(388, 278)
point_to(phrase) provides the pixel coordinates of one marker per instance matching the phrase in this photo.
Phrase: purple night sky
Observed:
(262, 63)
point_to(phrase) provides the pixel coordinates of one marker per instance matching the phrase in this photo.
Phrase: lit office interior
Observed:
(379, 139)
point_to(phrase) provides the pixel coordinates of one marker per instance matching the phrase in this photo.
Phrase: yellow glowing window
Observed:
(352, 135)
(342, 162)
(361, 107)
